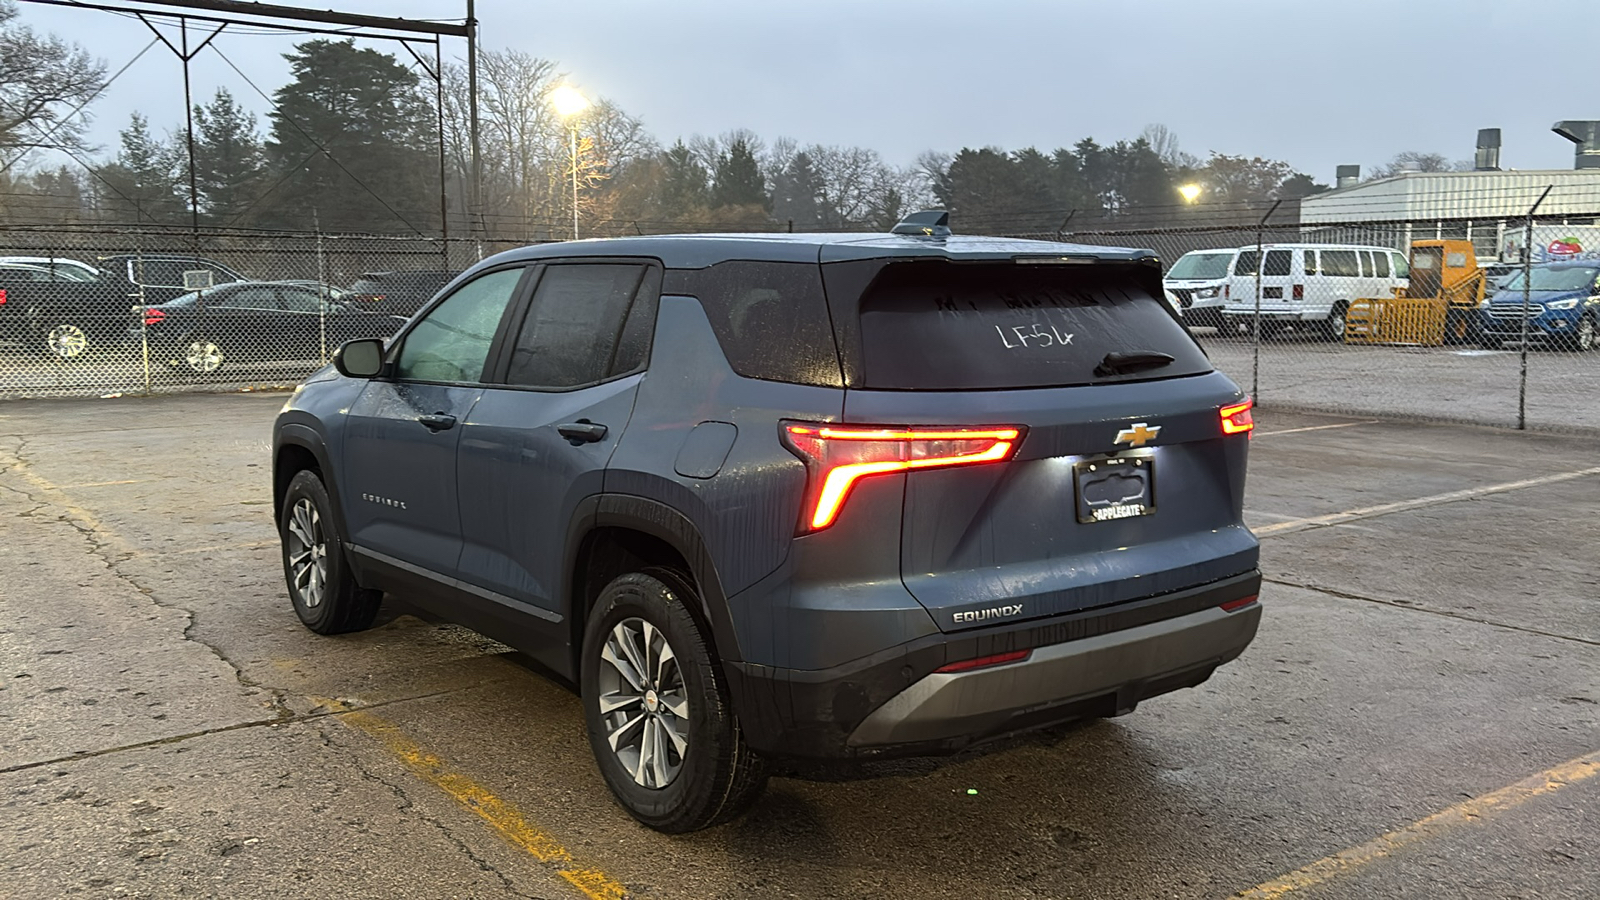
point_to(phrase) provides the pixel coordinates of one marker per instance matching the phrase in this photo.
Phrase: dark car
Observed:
(1563, 308)
(398, 293)
(789, 496)
(64, 308)
(253, 321)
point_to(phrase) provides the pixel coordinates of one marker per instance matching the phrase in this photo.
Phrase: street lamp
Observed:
(570, 104)
(1189, 192)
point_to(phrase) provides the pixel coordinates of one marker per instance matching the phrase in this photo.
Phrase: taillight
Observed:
(837, 456)
(984, 662)
(367, 298)
(1240, 603)
(1236, 419)
(153, 315)
(1299, 292)
(2, 296)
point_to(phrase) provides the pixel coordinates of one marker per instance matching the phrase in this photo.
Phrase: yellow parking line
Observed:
(1468, 813)
(503, 816)
(1262, 434)
(1420, 502)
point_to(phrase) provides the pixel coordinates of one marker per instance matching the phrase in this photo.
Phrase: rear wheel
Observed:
(322, 588)
(66, 340)
(1333, 327)
(660, 723)
(203, 356)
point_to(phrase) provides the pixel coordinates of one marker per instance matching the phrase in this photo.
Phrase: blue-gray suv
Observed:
(789, 496)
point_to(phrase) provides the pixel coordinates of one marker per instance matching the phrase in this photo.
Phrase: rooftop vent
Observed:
(1347, 176)
(1487, 157)
(1586, 134)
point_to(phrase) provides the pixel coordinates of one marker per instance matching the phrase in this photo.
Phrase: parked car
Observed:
(77, 306)
(398, 293)
(1563, 308)
(1308, 285)
(764, 496)
(1197, 280)
(253, 321)
(65, 269)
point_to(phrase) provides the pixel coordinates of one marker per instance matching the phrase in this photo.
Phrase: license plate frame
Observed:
(1096, 492)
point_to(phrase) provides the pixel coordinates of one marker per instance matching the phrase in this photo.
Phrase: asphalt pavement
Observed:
(1419, 716)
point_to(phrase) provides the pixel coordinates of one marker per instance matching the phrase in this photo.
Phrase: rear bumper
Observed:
(1098, 662)
(1117, 670)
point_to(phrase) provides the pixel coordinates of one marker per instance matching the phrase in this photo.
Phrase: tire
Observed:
(321, 586)
(1583, 339)
(201, 355)
(1334, 325)
(704, 774)
(64, 340)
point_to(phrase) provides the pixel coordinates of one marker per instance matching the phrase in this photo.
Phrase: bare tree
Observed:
(43, 80)
(1165, 143)
(1418, 161)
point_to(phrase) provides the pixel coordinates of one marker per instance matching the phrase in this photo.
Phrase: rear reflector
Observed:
(152, 316)
(837, 456)
(1299, 292)
(2, 296)
(1236, 419)
(984, 662)
(1240, 603)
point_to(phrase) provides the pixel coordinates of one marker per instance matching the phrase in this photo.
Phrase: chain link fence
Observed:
(1484, 311)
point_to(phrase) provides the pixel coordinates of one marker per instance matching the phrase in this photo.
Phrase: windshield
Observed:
(1562, 279)
(1201, 265)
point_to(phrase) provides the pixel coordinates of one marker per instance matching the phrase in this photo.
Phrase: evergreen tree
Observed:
(737, 180)
(142, 184)
(228, 161)
(684, 190)
(355, 135)
(794, 194)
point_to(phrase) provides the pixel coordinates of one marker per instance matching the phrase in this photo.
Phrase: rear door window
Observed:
(572, 326)
(1279, 263)
(1340, 264)
(935, 325)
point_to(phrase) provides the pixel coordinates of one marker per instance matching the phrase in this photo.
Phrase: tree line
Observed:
(354, 143)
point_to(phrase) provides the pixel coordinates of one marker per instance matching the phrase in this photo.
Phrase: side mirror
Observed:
(360, 358)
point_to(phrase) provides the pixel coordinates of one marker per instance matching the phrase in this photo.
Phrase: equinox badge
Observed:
(1138, 434)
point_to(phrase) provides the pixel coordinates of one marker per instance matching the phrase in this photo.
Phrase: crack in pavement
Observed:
(408, 805)
(274, 722)
(1346, 595)
(102, 541)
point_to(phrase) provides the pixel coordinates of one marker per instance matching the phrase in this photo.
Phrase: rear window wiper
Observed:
(1125, 362)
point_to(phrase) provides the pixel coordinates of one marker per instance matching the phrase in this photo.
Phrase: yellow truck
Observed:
(1440, 306)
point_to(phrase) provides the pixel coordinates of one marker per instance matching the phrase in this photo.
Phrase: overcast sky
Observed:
(1314, 83)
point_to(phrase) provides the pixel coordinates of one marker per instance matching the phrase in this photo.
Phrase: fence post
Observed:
(1527, 296)
(322, 292)
(144, 318)
(1255, 339)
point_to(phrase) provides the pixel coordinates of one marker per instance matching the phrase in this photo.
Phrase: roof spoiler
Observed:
(934, 223)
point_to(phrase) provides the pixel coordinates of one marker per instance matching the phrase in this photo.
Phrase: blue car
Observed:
(1563, 307)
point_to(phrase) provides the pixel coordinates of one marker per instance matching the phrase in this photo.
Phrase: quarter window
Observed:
(1382, 259)
(451, 343)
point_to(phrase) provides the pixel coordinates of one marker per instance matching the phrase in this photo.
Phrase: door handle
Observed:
(437, 421)
(582, 431)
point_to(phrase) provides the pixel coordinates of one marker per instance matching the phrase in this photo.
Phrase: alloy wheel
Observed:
(307, 548)
(203, 356)
(643, 702)
(66, 341)
(1586, 335)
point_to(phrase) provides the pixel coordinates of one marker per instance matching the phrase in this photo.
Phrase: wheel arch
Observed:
(618, 533)
(298, 448)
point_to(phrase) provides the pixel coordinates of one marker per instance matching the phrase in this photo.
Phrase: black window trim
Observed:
(650, 274)
(530, 276)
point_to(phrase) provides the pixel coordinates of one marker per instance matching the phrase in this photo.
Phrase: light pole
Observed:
(570, 103)
(1189, 192)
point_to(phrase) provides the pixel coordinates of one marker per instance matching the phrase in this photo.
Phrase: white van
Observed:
(1303, 283)
(1196, 280)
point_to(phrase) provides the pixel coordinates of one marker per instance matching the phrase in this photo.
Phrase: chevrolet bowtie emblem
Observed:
(1138, 434)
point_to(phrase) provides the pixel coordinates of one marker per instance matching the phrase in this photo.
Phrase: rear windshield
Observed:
(936, 325)
(1201, 266)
